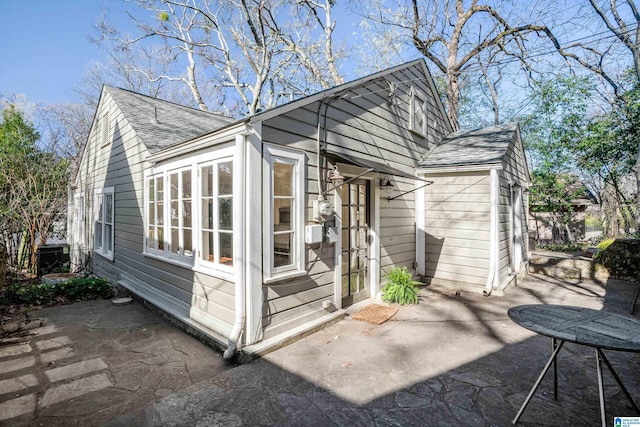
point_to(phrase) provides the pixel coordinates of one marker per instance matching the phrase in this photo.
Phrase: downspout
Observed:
(240, 315)
(493, 233)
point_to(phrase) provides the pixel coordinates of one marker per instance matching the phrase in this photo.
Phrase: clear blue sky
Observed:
(44, 46)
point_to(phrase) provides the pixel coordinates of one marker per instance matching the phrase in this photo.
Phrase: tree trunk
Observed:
(453, 99)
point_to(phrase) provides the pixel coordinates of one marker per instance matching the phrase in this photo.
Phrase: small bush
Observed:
(563, 247)
(605, 244)
(400, 288)
(45, 294)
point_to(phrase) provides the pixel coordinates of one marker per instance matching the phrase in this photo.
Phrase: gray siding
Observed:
(364, 123)
(514, 170)
(457, 228)
(121, 164)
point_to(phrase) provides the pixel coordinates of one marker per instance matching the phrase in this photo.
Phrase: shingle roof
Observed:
(475, 147)
(161, 124)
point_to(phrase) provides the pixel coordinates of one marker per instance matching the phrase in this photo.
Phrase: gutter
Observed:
(240, 313)
(493, 233)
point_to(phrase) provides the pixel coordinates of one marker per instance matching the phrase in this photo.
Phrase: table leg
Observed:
(603, 417)
(618, 380)
(538, 381)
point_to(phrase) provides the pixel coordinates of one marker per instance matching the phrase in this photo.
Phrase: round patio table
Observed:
(593, 328)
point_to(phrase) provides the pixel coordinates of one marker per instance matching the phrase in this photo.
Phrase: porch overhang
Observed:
(373, 165)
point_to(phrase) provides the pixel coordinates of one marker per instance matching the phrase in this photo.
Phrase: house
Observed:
(249, 231)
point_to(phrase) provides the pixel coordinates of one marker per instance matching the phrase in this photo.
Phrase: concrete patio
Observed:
(451, 360)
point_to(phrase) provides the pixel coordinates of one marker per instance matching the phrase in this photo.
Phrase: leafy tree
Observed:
(33, 184)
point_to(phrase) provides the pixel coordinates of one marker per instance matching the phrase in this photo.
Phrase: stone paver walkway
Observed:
(92, 362)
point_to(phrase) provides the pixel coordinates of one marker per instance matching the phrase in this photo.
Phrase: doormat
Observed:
(375, 313)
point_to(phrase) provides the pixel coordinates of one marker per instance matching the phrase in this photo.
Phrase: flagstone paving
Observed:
(92, 362)
(453, 359)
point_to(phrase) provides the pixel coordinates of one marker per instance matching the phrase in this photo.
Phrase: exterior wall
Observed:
(121, 164)
(457, 228)
(514, 170)
(365, 123)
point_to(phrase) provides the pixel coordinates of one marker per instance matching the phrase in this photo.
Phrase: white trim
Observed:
(516, 195)
(421, 227)
(252, 247)
(375, 252)
(271, 154)
(494, 247)
(109, 254)
(337, 255)
(468, 168)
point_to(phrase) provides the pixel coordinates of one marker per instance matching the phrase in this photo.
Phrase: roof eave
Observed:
(207, 140)
(428, 170)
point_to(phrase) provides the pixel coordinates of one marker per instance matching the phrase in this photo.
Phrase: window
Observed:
(104, 128)
(180, 214)
(418, 119)
(284, 212)
(104, 230)
(189, 212)
(216, 199)
(155, 213)
(78, 219)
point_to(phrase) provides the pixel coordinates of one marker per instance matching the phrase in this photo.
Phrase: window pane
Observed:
(108, 214)
(207, 214)
(188, 245)
(175, 242)
(282, 179)
(282, 250)
(186, 214)
(98, 236)
(152, 241)
(225, 178)
(160, 213)
(108, 244)
(173, 211)
(159, 188)
(152, 190)
(207, 178)
(225, 207)
(282, 214)
(173, 179)
(186, 184)
(207, 246)
(226, 248)
(160, 238)
(152, 213)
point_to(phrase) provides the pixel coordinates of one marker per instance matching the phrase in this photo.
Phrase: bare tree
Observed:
(249, 53)
(451, 34)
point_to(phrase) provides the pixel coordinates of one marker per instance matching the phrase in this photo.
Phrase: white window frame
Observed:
(224, 153)
(216, 230)
(78, 219)
(185, 254)
(100, 220)
(418, 106)
(273, 154)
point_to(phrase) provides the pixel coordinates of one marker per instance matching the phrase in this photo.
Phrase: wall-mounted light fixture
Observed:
(386, 184)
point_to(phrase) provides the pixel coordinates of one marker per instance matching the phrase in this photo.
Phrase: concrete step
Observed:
(572, 266)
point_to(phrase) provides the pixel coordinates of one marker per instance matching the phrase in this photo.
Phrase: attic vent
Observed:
(105, 128)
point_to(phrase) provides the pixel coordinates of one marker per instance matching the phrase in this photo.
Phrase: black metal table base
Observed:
(600, 357)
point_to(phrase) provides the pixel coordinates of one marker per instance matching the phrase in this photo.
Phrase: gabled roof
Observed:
(474, 147)
(160, 124)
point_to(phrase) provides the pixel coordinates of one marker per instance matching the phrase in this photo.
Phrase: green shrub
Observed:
(563, 247)
(605, 244)
(400, 288)
(45, 294)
